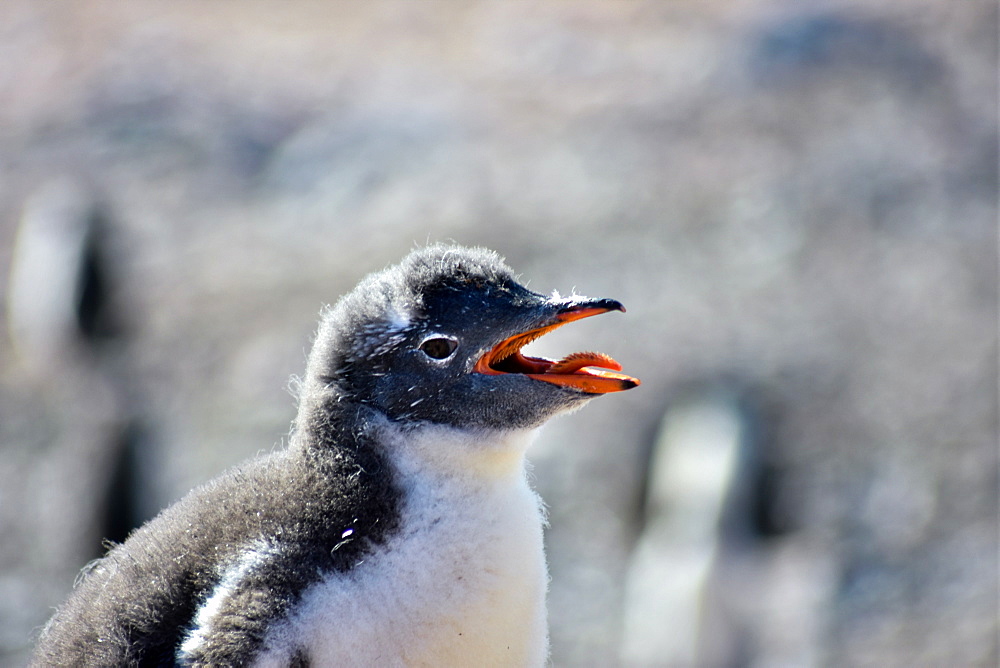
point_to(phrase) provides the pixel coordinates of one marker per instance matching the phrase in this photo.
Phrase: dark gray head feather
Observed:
(367, 351)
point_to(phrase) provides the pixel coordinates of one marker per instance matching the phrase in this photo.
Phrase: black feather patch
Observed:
(135, 606)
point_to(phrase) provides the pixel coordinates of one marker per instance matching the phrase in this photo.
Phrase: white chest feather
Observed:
(462, 583)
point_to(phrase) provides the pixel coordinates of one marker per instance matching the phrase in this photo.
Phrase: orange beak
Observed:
(590, 372)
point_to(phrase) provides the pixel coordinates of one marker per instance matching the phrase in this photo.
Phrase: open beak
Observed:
(590, 372)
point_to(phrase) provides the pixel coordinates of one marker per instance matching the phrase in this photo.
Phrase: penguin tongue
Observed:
(577, 361)
(594, 373)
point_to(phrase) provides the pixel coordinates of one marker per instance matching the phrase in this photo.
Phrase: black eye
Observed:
(439, 348)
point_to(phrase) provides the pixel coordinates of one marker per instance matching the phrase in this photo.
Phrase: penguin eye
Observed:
(439, 348)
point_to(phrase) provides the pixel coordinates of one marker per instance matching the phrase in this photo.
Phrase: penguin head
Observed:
(438, 338)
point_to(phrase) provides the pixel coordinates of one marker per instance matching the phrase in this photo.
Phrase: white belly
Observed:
(462, 583)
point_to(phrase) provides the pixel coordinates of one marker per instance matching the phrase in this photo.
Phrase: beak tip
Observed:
(599, 305)
(610, 305)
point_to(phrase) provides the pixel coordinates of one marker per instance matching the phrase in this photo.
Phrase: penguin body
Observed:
(464, 576)
(398, 528)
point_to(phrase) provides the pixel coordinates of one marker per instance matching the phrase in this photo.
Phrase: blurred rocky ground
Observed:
(795, 200)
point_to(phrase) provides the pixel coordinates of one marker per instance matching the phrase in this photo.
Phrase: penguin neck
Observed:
(327, 419)
(488, 455)
(485, 456)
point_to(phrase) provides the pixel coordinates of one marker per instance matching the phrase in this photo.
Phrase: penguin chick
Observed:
(397, 528)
